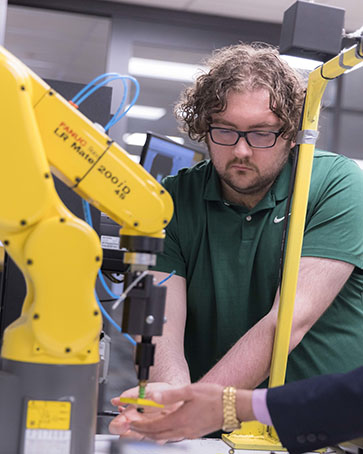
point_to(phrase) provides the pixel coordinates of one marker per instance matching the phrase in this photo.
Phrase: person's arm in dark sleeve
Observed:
(318, 412)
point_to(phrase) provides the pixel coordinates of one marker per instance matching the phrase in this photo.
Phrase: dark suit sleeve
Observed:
(318, 412)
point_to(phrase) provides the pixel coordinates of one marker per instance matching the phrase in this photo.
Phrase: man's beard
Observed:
(261, 183)
(256, 186)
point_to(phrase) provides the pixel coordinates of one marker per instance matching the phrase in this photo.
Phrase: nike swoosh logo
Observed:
(277, 220)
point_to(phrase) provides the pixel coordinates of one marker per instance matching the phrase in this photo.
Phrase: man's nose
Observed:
(242, 149)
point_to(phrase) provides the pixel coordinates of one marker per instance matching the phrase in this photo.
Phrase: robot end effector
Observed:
(144, 307)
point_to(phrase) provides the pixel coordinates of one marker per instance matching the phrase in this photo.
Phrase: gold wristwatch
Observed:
(230, 421)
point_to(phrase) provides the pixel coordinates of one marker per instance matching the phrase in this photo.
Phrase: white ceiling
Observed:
(263, 10)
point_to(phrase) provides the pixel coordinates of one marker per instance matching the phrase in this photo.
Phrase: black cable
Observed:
(295, 151)
(112, 278)
(108, 413)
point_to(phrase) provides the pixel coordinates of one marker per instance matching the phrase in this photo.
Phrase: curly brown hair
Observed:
(238, 68)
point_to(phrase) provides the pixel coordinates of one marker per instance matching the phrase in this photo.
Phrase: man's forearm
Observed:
(170, 365)
(247, 363)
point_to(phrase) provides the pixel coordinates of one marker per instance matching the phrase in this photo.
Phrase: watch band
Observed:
(230, 421)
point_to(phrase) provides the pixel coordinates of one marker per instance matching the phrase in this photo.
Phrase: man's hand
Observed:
(120, 425)
(197, 410)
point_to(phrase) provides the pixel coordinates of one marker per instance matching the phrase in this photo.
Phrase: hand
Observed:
(199, 411)
(120, 425)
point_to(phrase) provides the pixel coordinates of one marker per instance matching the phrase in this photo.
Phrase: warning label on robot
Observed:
(46, 414)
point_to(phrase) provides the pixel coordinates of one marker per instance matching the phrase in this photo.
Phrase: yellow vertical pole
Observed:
(296, 229)
(255, 435)
(318, 80)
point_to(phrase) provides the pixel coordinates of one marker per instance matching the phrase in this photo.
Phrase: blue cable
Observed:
(167, 277)
(122, 104)
(84, 94)
(112, 321)
(87, 212)
(99, 85)
(78, 99)
(117, 116)
(88, 218)
(84, 89)
(105, 286)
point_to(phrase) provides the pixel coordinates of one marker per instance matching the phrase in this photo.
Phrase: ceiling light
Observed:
(146, 112)
(176, 139)
(139, 138)
(159, 69)
(136, 138)
(301, 63)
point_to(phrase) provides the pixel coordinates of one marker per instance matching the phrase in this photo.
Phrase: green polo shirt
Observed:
(229, 256)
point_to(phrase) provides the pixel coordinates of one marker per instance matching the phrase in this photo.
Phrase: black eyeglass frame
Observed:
(244, 135)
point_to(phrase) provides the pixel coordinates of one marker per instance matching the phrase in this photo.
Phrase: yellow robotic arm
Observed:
(52, 349)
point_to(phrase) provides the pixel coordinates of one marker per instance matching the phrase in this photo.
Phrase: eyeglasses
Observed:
(255, 139)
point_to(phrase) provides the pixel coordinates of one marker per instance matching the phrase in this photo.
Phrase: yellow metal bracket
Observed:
(254, 435)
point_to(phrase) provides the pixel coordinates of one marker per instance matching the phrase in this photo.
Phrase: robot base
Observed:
(47, 409)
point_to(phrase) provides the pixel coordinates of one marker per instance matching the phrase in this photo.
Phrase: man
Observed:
(307, 414)
(224, 239)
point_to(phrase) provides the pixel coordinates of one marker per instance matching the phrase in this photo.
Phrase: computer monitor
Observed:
(161, 156)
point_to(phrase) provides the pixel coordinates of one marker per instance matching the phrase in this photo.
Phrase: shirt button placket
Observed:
(248, 228)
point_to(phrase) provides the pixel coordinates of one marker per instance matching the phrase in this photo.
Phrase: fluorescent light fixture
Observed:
(176, 139)
(159, 69)
(138, 139)
(301, 63)
(146, 112)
